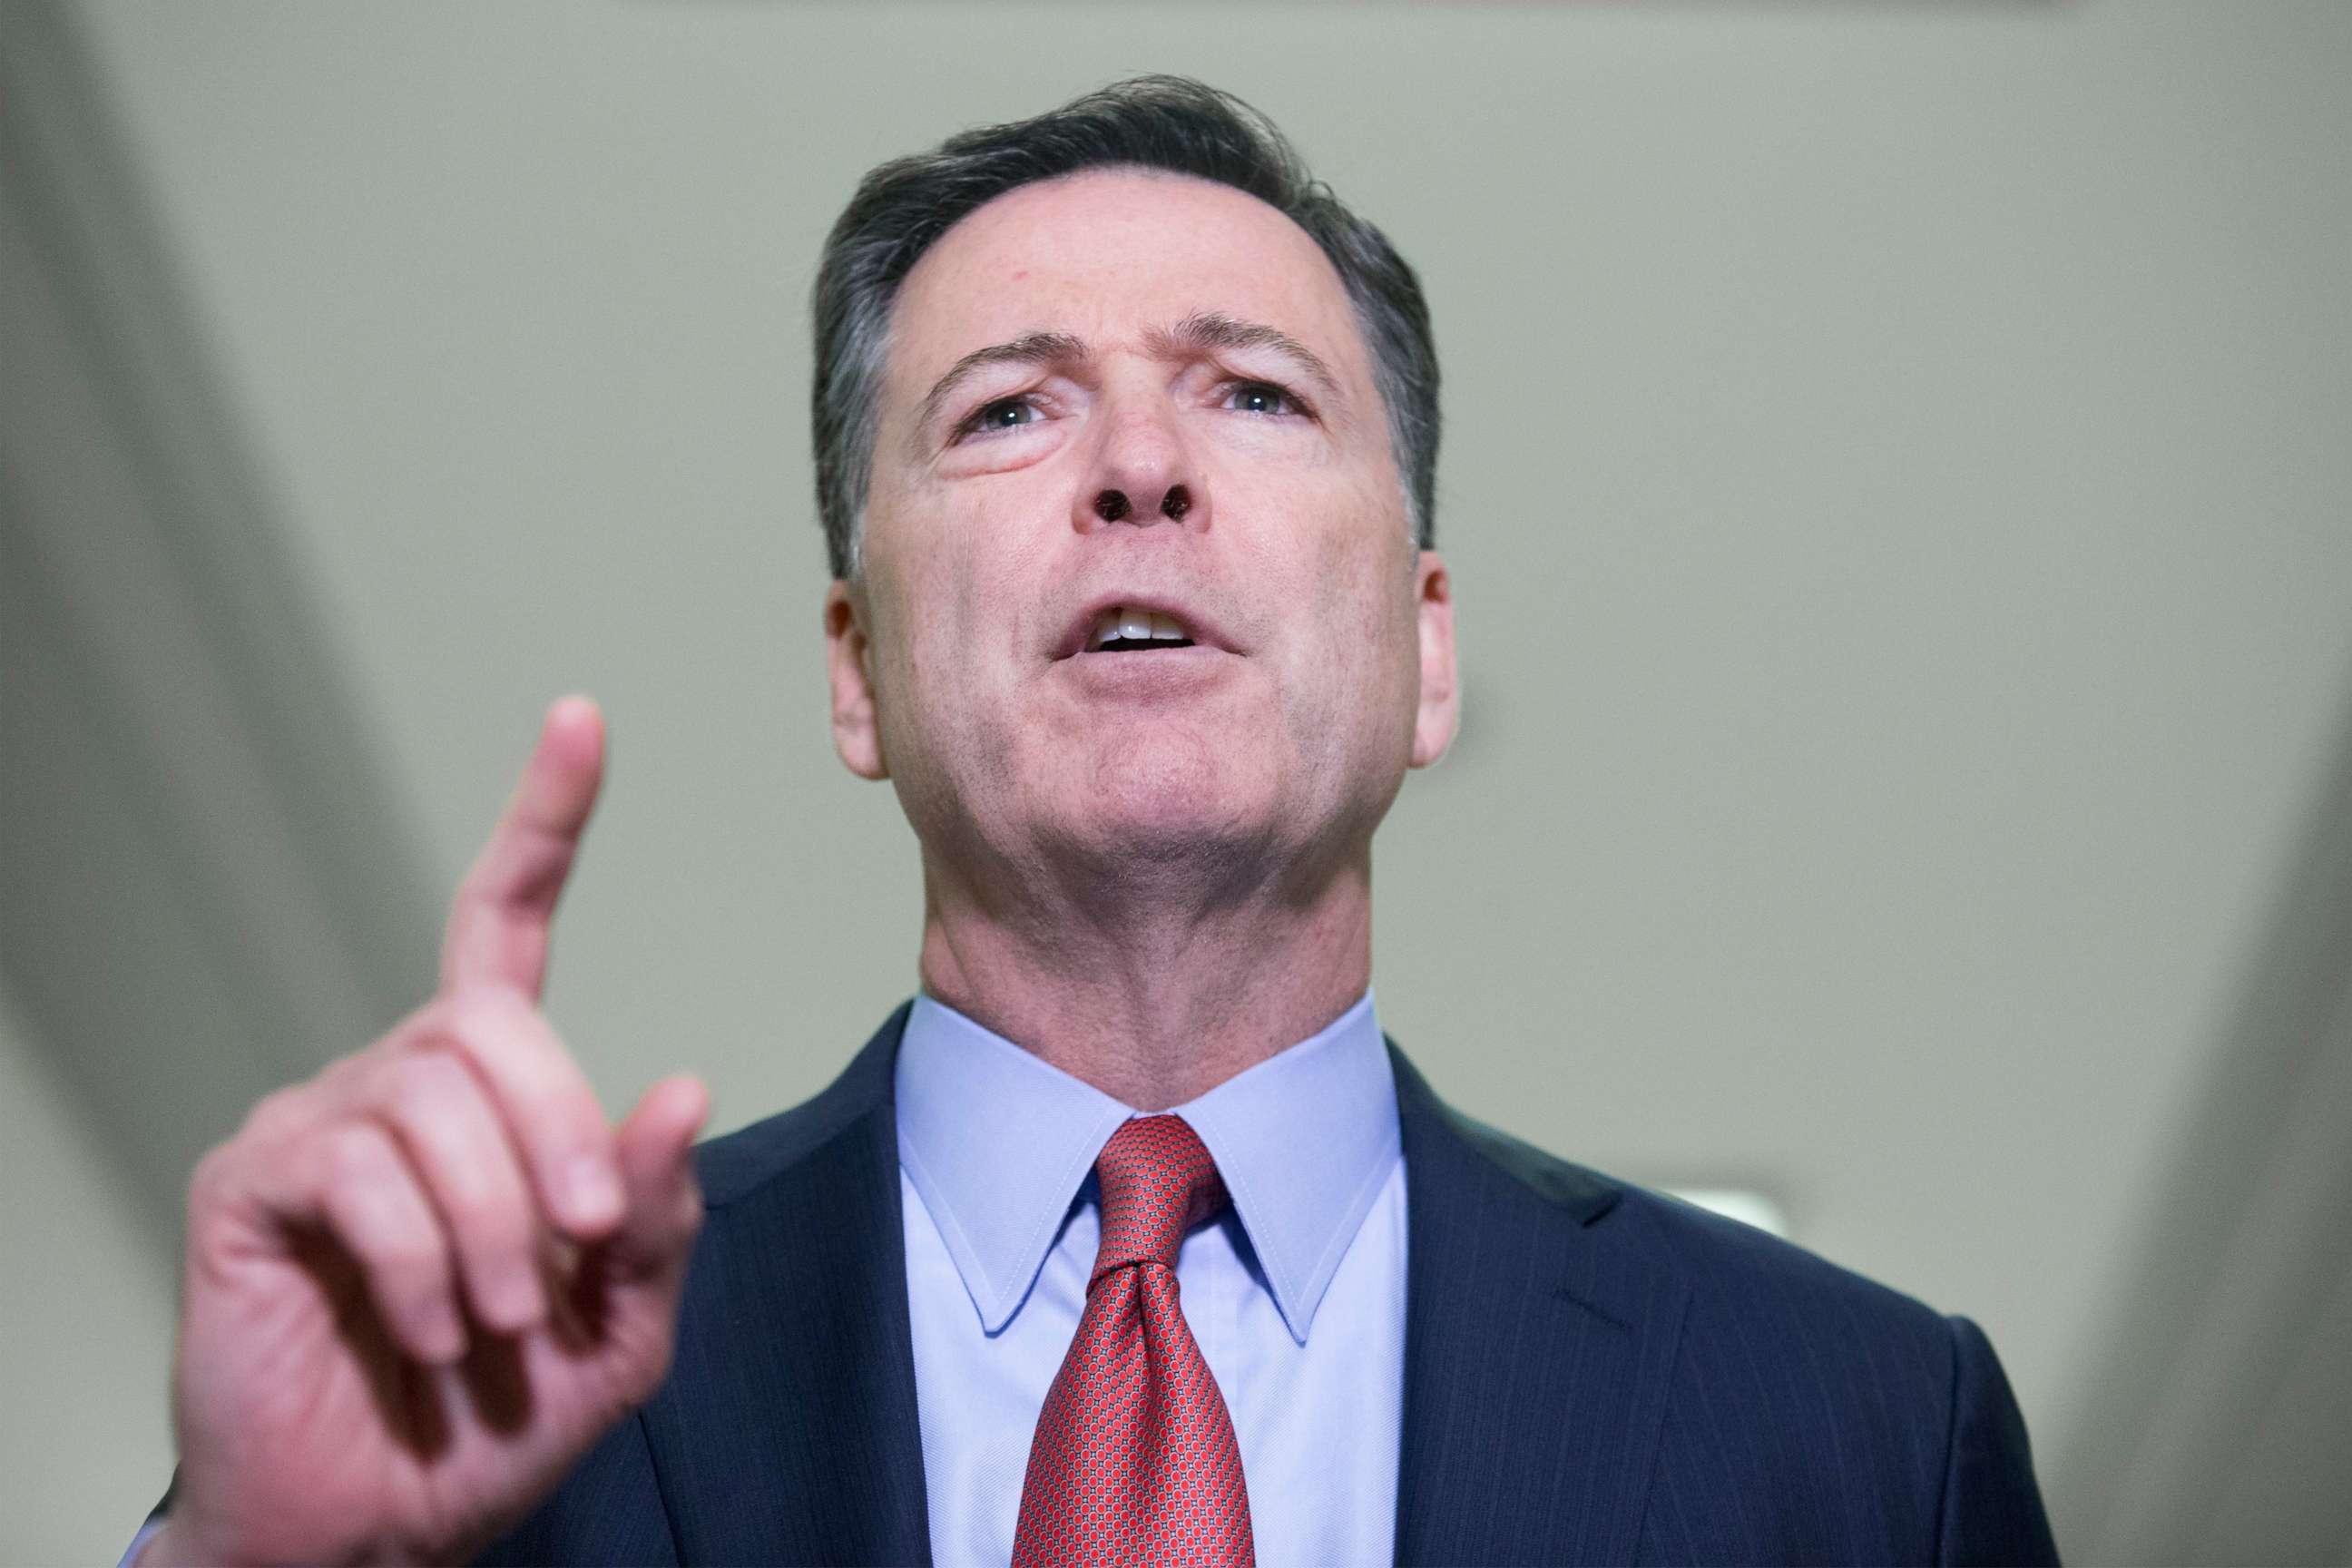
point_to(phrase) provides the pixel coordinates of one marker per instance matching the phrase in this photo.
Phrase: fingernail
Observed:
(570, 707)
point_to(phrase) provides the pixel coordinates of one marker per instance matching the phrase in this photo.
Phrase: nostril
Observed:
(1176, 504)
(1111, 506)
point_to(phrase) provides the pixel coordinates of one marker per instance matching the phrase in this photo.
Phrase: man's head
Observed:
(1169, 123)
(1127, 356)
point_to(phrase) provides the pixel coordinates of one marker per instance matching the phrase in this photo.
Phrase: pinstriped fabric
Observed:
(1808, 1427)
(1596, 1375)
(1534, 1372)
(1842, 1400)
(1135, 1460)
(604, 1517)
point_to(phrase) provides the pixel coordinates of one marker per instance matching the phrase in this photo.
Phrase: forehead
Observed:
(1109, 254)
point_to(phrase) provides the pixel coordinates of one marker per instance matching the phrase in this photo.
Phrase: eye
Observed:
(1263, 398)
(1005, 413)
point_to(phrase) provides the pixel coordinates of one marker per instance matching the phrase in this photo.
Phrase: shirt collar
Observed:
(999, 1142)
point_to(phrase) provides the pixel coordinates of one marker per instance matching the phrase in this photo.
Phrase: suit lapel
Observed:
(788, 1431)
(1537, 1342)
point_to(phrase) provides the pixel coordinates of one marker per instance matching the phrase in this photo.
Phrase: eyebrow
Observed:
(1203, 332)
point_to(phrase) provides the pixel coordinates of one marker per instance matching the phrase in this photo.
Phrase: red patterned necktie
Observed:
(1134, 1460)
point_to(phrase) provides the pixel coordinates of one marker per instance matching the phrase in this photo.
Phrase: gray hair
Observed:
(1165, 122)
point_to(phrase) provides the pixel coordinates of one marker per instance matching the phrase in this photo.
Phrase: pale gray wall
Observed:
(85, 1329)
(1894, 480)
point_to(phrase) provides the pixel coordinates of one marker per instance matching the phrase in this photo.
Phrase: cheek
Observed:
(1354, 699)
(917, 616)
(950, 634)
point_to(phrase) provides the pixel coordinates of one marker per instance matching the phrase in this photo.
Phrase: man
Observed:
(1128, 1240)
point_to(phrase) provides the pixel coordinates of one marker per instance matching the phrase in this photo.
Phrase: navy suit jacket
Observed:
(1593, 1373)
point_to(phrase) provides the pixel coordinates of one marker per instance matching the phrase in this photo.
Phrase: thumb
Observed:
(655, 1150)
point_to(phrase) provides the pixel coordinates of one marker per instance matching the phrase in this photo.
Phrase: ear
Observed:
(1439, 710)
(849, 666)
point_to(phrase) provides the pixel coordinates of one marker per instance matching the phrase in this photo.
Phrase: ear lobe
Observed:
(849, 663)
(1439, 710)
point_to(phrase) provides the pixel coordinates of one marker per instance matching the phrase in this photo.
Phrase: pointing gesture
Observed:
(499, 922)
(418, 1285)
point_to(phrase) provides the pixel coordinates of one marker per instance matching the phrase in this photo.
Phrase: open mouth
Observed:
(1121, 629)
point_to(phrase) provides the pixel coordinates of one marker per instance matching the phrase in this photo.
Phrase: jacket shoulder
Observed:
(1731, 1265)
(1736, 1263)
(1811, 1412)
(1883, 1428)
(738, 1162)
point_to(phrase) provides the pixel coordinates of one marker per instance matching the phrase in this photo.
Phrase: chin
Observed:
(1172, 798)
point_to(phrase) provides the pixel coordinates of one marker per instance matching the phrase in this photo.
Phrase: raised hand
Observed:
(418, 1285)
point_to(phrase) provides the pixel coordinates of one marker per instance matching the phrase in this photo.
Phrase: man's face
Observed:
(1118, 393)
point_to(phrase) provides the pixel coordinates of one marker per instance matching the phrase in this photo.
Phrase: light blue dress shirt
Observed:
(1297, 1294)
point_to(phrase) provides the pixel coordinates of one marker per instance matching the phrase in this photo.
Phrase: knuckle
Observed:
(275, 1117)
(488, 1017)
(467, 1013)
(209, 1183)
(424, 1084)
(438, 1027)
(403, 1035)
(353, 1156)
(488, 1221)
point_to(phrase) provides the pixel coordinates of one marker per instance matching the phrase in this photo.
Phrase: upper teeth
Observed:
(1136, 625)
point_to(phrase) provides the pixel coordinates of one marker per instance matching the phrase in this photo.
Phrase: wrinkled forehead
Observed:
(1110, 256)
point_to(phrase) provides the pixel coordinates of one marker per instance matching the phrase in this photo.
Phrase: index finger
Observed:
(499, 922)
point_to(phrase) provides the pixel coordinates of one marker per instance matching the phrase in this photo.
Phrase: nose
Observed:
(1142, 473)
(1113, 505)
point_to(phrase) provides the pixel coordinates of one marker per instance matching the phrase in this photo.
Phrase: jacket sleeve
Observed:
(1991, 1511)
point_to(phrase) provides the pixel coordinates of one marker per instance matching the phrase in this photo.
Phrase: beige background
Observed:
(1894, 481)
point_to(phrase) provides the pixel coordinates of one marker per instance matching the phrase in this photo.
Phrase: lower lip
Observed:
(1147, 672)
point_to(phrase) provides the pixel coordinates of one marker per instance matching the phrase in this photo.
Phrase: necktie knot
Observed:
(1157, 1182)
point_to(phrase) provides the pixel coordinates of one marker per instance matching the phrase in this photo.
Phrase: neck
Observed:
(1153, 1000)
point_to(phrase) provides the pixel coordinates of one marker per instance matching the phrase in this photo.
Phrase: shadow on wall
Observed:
(200, 875)
(2219, 1424)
